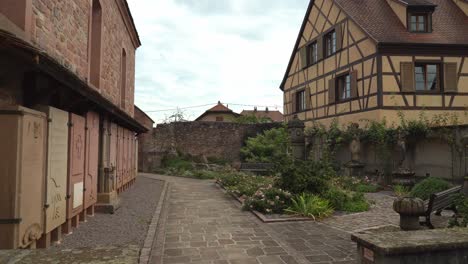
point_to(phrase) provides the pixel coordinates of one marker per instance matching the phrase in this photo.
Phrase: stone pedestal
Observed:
(465, 186)
(354, 169)
(404, 177)
(297, 137)
(409, 210)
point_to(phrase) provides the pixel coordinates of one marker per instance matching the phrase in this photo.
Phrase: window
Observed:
(330, 43)
(123, 78)
(312, 53)
(419, 23)
(95, 56)
(344, 87)
(219, 119)
(427, 77)
(300, 101)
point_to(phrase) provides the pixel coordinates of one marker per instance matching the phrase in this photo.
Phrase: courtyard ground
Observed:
(166, 220)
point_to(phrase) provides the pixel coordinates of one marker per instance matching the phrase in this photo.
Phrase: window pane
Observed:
(413, 19)
(421, 27)
(431, 68)
(431, 81)
(422, 19)
(420, 86)
(334, 42)
(419, 69)
(419, 77)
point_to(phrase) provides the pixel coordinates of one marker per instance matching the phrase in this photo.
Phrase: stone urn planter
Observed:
(409, 209)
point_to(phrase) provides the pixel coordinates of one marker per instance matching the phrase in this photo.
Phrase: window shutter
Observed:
(331, 91)
(339, 37)
(354, 86)
(294, 102)
(303, 54)
(320, 48)
(450, 77)
(307, 95)
(407, 76)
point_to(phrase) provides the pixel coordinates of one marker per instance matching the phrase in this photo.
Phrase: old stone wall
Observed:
(426, 157)
(62, 29)
(209, 139)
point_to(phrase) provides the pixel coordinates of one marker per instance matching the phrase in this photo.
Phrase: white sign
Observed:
(77, 195)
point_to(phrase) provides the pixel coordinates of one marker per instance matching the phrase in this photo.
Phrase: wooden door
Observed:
(76, 165)
(92, 158)
(57, 171)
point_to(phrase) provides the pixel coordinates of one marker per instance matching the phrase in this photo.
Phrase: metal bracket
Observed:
(46, 206)
(70, 124)
(10, 221)
(67, 197)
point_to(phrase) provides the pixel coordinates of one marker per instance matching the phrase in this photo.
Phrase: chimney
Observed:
(255, 109)
(266, 109)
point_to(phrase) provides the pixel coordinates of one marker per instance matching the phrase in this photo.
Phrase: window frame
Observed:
(328, 38)
(301, 105)
(312, 53)
(427, 23)
(345, 79)
(439, 76)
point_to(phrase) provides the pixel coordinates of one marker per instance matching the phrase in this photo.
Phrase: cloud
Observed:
(197, 52)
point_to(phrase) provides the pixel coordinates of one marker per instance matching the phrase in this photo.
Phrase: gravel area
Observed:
(128, 226)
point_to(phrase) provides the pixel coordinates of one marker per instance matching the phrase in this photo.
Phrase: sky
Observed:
(199, 52)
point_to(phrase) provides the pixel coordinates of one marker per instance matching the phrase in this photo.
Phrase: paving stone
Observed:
(271, 260)
(255, 252)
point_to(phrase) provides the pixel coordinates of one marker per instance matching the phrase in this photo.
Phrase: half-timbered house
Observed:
(369, 59)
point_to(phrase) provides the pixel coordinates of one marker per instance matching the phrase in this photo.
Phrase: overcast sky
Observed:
(196, 52)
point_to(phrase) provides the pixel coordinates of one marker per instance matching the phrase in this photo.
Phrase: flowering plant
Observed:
(269, 200)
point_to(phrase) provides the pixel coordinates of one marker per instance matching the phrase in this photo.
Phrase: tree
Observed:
(177, 116)
(268, 147)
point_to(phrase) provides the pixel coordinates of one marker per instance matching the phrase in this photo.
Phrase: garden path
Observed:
(201, 224)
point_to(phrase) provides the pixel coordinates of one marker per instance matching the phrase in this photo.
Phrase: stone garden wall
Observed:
(210, 140)
(425, 157)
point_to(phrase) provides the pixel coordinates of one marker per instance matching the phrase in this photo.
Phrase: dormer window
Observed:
(419, 23)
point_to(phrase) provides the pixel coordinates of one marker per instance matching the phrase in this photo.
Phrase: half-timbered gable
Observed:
(370, 59)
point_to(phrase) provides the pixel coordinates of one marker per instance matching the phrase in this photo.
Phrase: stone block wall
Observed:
(62, 29)
(427, 157)
(209, 139)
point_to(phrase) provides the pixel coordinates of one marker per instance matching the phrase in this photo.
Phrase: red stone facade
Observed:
(63, 29)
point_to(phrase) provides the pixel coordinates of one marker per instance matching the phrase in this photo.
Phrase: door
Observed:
(57, 162)
(76, 162)
(92, 158)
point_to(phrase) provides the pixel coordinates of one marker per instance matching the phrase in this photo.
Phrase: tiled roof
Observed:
(376, 17)
(219, 108)
(275, 116)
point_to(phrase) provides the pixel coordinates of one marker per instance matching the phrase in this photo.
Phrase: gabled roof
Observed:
(218, 109)
(275, 116)
(377, 19)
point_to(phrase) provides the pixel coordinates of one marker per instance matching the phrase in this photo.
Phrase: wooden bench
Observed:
(256, 167)
(438, 202)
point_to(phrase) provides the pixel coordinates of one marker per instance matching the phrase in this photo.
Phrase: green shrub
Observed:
(268, 147)
(310, 205)
(401, 191)
(367, 188)
(299, 176)
(268, 200)
(425, 188)
(178, 163)
(205, 174)
(347, 201)
(243, 184)
(461, 219)
(337, 197)
(358, 203)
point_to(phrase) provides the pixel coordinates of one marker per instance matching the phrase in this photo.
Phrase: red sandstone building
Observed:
(68, 132)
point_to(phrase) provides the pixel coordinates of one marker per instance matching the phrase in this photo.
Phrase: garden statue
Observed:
(355, 166)
(297, 138)
(403, 176)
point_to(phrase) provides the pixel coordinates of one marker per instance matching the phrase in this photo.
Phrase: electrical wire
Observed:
(205, 105)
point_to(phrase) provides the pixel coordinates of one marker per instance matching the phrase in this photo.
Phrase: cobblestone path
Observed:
(200, 224)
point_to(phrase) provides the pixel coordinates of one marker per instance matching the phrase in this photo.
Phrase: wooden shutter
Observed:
(339, 37)
(451, 77)
(331, 91)
(294, 102)
(407, 76)
(303, 54)
(320, 48)
(354, 86)
(307, 95)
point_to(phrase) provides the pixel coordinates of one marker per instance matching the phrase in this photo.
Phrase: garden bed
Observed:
(266, 218)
